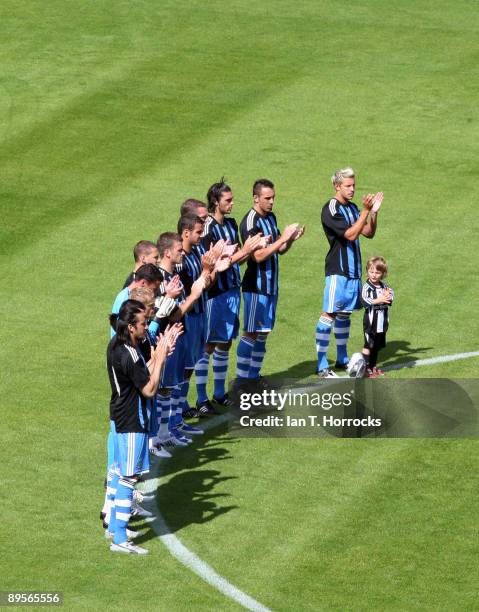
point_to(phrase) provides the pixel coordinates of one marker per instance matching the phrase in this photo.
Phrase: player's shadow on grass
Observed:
(189, 496)
(212, 446)
(297, 371)
(401, 351)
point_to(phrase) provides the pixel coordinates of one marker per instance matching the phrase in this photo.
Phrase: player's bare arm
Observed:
(251, 244)
(262, 254)
(296, 236)
(369, 229)
(197, 289)
(353, 232)
(155, 366)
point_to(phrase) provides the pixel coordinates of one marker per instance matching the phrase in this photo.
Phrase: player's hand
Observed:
(385, 297)
(217, 249)
(229, 249)
(223, 264)
(161, 349)
(198, 287)
(289, 232)
(252, 243)
(265, 240)
(208, 261)
(368, 201)
(172, 333)
(377, 201)
(173, 287)
(299, 232)
(167, 340)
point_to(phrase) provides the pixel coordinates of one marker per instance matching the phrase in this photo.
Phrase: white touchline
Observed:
(188, 558)
(202, 569)
(397, 366)
(432, 360)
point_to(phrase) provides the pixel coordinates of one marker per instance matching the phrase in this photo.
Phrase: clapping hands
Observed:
(174, 287)
(167, 341)
(293, 232)
(218, 258)
(373, 201)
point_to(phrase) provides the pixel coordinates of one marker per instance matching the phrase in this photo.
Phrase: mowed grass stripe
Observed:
(113, 134)
(75, 159)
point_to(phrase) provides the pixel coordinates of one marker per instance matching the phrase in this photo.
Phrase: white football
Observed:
(356, 366)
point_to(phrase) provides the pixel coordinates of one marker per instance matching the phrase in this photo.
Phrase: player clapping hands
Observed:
(174, 287)
(373, 201)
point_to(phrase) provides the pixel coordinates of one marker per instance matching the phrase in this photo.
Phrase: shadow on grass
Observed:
(401, 351)
(298, 371)
(189, 495)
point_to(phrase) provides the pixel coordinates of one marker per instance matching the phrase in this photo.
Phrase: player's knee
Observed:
(329, 315)
(209, 347)
(250, 335)
(224, 346)
(343, 316)
(187, 374)
(261, 336)
(129, 481)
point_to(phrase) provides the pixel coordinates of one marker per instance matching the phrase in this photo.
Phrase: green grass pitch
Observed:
(112, 113)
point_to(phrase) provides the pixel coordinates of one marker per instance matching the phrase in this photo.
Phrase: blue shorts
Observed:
(195, 338)
(341, 294)
(131, 452)
(259, 312)
(174, 370)
(222, 316)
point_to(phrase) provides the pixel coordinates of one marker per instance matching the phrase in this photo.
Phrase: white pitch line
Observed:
(187, 557)
(432, 360)
(197, 565)
(397, 366)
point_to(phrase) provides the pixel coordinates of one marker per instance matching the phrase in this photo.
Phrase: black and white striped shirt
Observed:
(376, 316)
